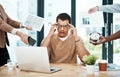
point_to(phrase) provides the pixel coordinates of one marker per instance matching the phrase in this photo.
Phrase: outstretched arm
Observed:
(113, 8)
(113, 36)
(107, 39)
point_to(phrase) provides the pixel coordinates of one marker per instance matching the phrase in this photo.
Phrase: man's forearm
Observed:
(81, 49)
(113, 36)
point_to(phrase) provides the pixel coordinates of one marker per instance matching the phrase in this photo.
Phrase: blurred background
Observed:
(104, 23)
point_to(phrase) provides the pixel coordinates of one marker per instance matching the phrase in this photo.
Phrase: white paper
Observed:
(35, 22)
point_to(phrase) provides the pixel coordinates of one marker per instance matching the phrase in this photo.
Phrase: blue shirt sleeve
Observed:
(113, 8)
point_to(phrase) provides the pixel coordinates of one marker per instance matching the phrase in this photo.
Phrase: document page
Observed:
(35, 22)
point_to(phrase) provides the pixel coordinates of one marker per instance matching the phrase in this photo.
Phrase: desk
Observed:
(68, 70)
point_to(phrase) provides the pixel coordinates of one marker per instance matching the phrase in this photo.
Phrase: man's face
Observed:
(62, 27)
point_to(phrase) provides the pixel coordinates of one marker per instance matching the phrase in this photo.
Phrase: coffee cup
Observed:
(103, 65)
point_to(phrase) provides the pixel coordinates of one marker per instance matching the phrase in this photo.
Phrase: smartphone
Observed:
(31, 41)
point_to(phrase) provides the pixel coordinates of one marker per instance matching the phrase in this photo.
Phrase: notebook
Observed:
(34, 59)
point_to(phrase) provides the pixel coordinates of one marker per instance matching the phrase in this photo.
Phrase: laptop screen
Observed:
(33, 59)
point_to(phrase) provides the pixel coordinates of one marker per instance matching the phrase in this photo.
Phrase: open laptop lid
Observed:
(33, 59)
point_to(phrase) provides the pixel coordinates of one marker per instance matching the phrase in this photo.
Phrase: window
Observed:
(86, 23)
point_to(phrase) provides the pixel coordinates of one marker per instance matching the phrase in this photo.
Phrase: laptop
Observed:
(34, 59)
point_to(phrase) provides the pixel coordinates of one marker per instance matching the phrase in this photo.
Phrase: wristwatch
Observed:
(22, 26)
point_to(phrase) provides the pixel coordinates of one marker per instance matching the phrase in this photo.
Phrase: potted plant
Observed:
(90, 60)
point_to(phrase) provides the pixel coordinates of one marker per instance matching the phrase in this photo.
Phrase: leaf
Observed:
(90, 59)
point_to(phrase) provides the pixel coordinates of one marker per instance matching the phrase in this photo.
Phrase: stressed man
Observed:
(64, 45)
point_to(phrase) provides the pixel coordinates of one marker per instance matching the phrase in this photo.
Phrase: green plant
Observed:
(89, 59)
(116, 50)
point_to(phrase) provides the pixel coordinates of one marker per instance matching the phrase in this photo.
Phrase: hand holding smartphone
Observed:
(31, 41)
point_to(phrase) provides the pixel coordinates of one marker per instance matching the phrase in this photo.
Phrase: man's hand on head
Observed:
(53, 29)
(73, 30)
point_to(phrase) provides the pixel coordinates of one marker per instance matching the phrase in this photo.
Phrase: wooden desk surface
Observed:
(68, 70)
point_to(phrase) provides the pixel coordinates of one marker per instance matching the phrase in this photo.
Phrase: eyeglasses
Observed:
(62, 26)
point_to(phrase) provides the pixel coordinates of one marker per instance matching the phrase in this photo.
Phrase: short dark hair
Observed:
(63, 16)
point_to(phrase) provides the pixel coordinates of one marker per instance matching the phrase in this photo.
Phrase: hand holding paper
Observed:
(35, 22)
